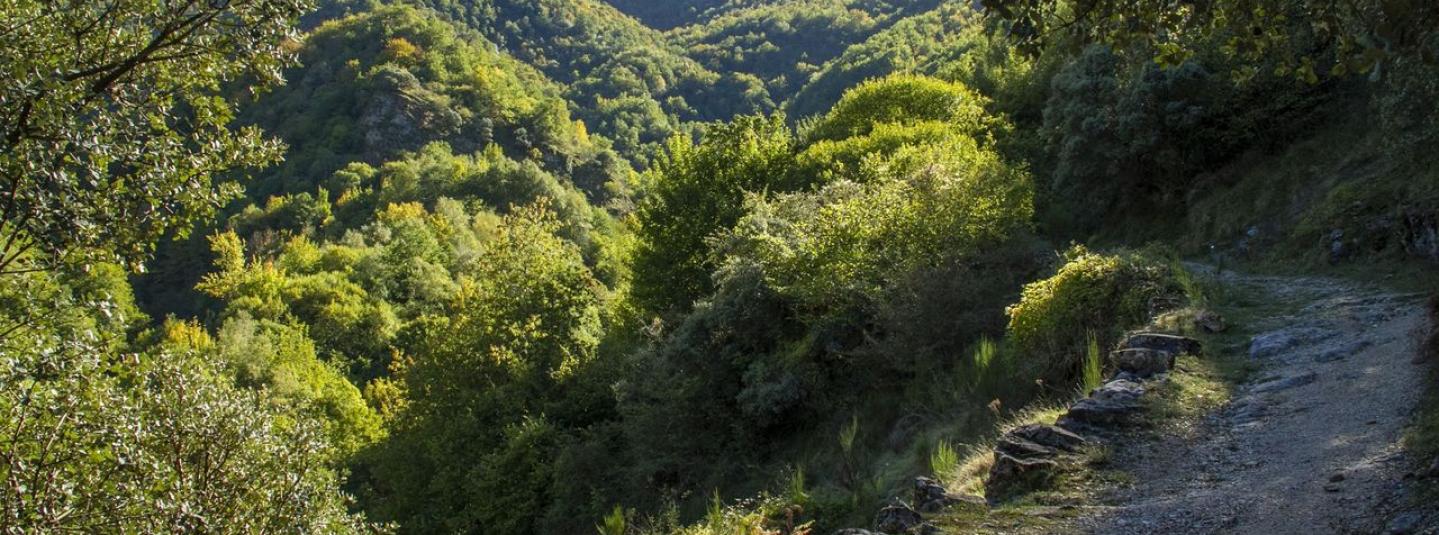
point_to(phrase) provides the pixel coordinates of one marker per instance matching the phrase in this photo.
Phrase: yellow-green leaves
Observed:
(903, 99)
(113, 131)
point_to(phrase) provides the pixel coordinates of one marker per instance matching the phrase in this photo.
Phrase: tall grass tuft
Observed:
(944, 461)
(983, 358)
(795, 493)
(847, 435)
(990, 367)
(1192, 287)
(1093, 363)
(615, 523)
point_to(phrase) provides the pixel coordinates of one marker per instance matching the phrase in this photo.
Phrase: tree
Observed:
(1297, 35)
(699, 192)
(112, 123)
(472, 444)
(101, 438)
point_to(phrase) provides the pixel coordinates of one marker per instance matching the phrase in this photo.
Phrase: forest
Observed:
(640, 267)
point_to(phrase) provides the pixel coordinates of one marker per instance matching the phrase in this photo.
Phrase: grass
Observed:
(1093, 364)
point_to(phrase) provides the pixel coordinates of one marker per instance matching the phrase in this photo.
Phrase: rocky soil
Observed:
(1310, 445)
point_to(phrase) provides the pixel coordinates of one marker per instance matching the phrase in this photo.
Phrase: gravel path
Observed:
(1311, 445)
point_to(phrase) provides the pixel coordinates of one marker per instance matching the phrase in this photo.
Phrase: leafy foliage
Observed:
(697, 192)
(486, 387)
(112, 124)
(783, 43)
(133, 441)
(1091, 294)
(922, 207)
(458, 299)
(1254, 31)
(380, 83)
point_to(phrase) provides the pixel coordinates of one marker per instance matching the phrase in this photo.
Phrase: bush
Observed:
(105, 435)
(921, 208)
(903, 99)
(698, 191)
(1091, 292)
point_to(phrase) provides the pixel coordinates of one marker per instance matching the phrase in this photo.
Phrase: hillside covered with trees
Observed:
(704, 266)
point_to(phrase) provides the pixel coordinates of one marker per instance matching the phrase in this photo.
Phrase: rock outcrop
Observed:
(1028, 456)
(1110, 404)
(1142, 362)
(1174, 345)
(1050, 436)
(1010, 475)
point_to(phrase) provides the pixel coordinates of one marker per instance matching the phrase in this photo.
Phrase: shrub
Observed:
(903, 99)
(847, 243)
(1091, 292)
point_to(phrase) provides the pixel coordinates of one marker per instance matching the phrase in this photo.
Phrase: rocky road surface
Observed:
(1311, 444)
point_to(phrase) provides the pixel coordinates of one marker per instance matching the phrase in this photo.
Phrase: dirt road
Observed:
(1310, 445)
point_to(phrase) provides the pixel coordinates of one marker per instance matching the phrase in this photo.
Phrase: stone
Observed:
(1432, 471)
(897, 519)
(1337, 477)
(1122, 375)
(1285, 383)
(1108, 404)
(1118, 390)
(1049, 436)
(926, 489)
(1175, 345)
(1092, 412)
(935, 506)
(1247, 410)
(1010, 474)
(1142, 362)
(1277, 342)
(1023, 449)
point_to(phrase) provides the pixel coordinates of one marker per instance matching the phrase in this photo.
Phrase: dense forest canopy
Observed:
(703, 266)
